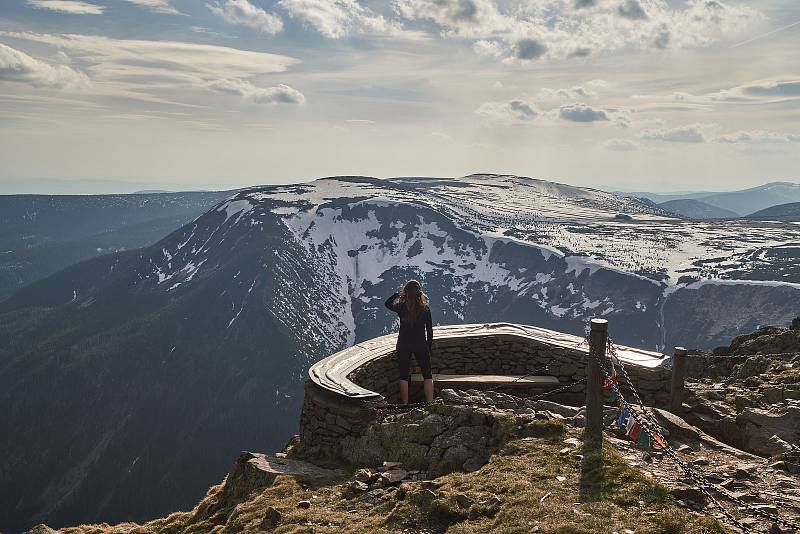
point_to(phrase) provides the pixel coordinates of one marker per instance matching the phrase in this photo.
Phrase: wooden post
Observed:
(594, 380)
(678, 378)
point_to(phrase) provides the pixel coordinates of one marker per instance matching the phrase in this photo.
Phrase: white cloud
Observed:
(756, 92)
(575, 92)
(632, 9)
(17, 66)
(582, 113)
(526, 31)
(338, 18)
(757, 136)
(142, 69)
(514, 111)
(74, 7)
(772, 88)
(279, 94)
(157, 6)
(243, 13)
(621, 145)
(694, 133)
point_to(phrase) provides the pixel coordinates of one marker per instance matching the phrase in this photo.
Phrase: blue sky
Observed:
(627, 94)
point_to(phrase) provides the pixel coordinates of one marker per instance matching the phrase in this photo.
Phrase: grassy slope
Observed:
(596, 496)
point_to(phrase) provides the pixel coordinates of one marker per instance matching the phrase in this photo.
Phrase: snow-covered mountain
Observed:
(484, 245)
(133, 378)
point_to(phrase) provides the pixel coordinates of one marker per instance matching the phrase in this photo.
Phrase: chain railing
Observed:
(700, 480)
(658, 434)
(741, 356)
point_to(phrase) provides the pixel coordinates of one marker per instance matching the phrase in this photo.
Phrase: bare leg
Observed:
(428, 385)
(404, 392)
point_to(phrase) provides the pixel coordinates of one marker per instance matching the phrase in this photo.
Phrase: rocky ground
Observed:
(541, 477)
(748, 394)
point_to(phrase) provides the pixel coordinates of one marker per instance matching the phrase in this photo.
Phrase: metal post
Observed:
(678, 378)
(594, 380)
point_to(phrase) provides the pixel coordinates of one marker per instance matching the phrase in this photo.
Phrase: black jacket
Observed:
(412, 334)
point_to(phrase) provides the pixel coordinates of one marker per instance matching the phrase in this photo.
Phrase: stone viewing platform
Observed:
(346, 391)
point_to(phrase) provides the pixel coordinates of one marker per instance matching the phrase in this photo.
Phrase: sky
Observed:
(631, 95)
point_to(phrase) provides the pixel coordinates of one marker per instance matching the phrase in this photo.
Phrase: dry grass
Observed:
(599, 493)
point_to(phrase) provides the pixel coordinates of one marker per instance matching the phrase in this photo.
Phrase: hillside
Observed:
(782, 212)
(697, 209)
(532, 469)
(42, 234)
(546, 482)
(122, 371)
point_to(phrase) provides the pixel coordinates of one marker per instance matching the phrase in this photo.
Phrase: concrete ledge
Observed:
(333, 373)
(346, 392)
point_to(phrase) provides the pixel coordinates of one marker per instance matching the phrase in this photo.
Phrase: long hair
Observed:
(415, 301)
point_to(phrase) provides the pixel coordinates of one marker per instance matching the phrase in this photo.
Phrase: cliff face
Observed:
(131, 380)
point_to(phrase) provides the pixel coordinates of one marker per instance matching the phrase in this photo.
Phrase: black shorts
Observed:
(423, 356)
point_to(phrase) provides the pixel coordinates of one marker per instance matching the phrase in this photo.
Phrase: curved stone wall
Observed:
(345, 391)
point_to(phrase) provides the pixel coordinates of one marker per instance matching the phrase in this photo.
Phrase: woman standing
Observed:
(415, 322)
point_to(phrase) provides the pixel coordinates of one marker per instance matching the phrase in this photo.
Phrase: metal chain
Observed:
(734, 356)
(700, 483)
(699, 478)
(698, 475)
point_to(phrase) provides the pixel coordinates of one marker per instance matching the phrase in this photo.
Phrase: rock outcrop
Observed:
(752, 402)
(441, 438)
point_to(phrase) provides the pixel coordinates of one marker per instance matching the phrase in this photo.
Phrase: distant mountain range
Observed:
(740, 203)
(782, 212)
(697, 209)
(42, 234)
(131, 379)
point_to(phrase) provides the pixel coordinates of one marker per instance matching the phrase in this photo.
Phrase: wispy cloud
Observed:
(280, 94)
(73, 7)
(695, 133)
(17, 66)
(243, 13)
(511, 112)
(157, 6)
(142, 69)
(575, 92)
(621, 145)
(757, 136)
(765, 35)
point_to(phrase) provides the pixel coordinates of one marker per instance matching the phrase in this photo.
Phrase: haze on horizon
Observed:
(177, 94)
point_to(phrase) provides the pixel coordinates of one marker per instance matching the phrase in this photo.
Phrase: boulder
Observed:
(253, 471)
(752, 367)
(271, 518)
(553, 407)
(689, 494)
(758, 427)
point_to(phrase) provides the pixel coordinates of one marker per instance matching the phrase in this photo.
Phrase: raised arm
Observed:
(429, 328)
(392, 303)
